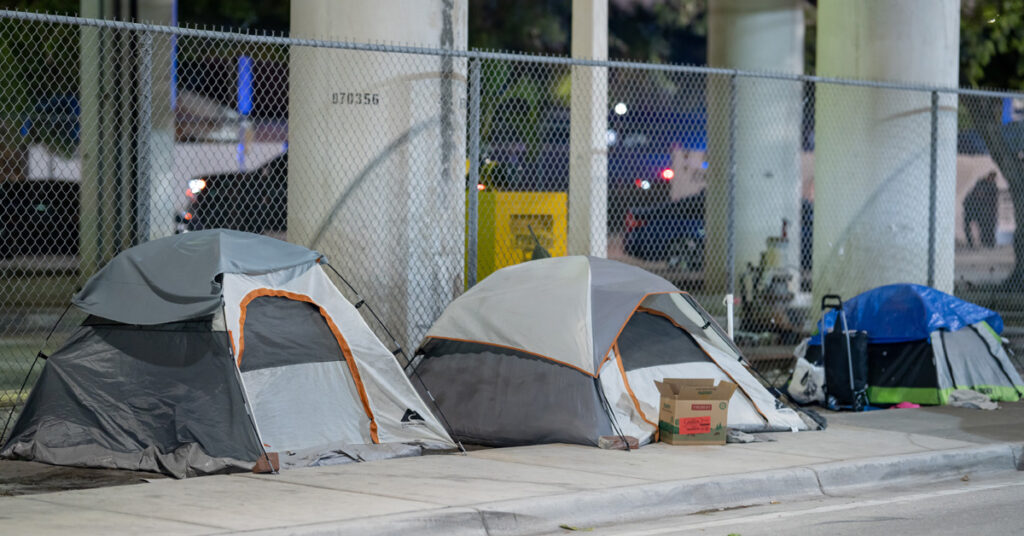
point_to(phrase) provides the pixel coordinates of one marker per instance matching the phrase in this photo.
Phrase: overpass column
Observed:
(588, 132)
(377, 163)
(754, 134)
(873, 156)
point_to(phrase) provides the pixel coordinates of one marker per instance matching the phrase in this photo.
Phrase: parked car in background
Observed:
(534, 156)
(672, 231)
(254, 201)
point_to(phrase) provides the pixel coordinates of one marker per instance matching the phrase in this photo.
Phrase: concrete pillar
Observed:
(762, 122)
(873, 162)
(376, 170)
(123, 73)
(588, 134)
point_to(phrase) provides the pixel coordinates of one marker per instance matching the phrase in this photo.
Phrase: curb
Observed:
(851, 475)
(538, 515)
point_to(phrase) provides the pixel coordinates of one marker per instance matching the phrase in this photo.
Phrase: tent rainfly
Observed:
(204, 350)
(568, 349)
(923, 344)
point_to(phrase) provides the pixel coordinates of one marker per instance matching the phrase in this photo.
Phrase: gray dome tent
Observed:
(568, 349)
(203, 350)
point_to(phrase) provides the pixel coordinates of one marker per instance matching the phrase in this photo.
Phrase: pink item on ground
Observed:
(905, 405)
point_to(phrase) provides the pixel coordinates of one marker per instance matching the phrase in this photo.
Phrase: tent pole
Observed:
(945, 355)
(10, 415)
(996, 358)
(447, 425)
(611, 413)
(362, 302)
(245, 396)
(398, 350)
(849, 354)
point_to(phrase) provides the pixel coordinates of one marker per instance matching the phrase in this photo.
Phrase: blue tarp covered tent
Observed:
(906, 312)
(923, 344)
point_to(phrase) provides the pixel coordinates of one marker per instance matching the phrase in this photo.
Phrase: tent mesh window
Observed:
(650, 340)
(279, 331)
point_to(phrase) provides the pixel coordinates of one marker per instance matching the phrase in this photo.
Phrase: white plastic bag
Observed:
(806, 384)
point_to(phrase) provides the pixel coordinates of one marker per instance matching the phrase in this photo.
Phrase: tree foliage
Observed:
(668, 31)
(273, 15)
(58, 7)
(992, 43)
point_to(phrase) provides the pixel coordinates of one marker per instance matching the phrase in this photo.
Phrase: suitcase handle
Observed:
(833, 301)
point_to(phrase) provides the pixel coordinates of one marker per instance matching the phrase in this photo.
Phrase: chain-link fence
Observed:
(419, 172)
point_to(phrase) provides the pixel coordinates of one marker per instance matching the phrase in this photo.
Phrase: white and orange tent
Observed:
(568, 349)
(204, 350)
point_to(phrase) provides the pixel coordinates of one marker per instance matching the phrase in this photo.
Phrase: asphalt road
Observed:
(978, 506)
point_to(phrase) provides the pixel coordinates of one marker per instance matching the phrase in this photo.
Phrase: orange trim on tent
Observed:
(342, 343)
(655, 312)
(513, 348)
(625, 381)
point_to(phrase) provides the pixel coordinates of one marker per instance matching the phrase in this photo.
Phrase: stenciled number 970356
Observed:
(356, 99)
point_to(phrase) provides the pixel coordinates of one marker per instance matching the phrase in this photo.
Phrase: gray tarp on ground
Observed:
(162, 399)
(173, 278)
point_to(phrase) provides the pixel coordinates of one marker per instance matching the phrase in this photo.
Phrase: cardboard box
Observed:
(693, 411)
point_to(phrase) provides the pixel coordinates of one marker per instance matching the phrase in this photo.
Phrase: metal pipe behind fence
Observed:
(473, 201)
(730, 212)
(933, 187)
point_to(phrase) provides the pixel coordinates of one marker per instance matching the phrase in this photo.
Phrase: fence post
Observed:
(730, 236)
(143, 145)
(473, 200)
(933, 187)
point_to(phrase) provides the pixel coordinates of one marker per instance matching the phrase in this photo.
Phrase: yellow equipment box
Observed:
(506, 220)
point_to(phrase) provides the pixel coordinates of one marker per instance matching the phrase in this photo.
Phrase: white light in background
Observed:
(612, 137)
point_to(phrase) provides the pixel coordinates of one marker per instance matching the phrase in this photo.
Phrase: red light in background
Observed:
(481, 187)
(632, 222)
(667, 174)
(188, 216)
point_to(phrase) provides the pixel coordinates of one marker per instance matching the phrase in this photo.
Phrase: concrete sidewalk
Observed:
(530, 490)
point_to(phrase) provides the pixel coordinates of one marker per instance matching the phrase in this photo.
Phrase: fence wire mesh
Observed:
(419, 173)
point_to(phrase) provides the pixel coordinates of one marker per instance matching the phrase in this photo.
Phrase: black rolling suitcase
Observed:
(845, 356)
